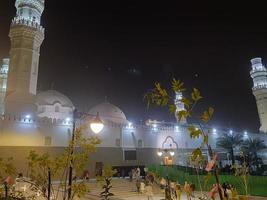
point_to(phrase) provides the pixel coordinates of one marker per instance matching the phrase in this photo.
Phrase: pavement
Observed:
(123, 189)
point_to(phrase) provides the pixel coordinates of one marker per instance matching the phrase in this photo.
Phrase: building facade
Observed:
(42, 121)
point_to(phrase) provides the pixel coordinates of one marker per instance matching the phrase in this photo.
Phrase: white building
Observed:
(42, 121)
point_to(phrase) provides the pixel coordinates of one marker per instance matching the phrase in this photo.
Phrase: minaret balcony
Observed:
(258, 87)
(24, 22)
(258, 73)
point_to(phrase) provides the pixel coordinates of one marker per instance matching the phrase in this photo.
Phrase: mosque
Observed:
(42, 121)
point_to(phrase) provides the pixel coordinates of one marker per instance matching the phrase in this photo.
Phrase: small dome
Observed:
(51, 97)
(108, 111)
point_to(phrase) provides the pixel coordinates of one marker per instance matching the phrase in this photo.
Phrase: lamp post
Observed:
(170, 151)
(96, 126)
(166, 152)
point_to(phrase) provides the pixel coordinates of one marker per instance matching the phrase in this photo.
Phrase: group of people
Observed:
(228, 191)
(135, 174)
(174, 191)
(145, 186)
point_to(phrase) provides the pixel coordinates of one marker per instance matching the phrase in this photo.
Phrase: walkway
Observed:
(123, 189)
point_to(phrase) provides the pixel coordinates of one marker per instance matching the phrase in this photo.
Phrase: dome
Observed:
(51, 97)
(108, 111)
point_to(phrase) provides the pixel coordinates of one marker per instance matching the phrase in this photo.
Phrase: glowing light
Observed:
(159, 153)
(27, 116)
(246, 134)
(176, 128)
(214, 130)
(231, 132)
(154, 125)
(97, 125)
(172, 153)
(196, 128)
(67, 119)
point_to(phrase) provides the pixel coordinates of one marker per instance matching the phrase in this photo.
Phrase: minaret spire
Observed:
(26, 35)
(179, 106)
(259, 76)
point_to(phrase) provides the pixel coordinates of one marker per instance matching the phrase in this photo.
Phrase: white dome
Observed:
(54, 105)
(108, 111)
(51, 97)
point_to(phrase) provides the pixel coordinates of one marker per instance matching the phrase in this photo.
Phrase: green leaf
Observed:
(183, 114)
(194, 132)
(186, 102)
(177, 85)
(172, 108)
(196, 154)
(196, 95)
(206, 116)
(206, 139)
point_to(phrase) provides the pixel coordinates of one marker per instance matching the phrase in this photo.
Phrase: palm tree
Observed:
(251, 147)
(229, 142)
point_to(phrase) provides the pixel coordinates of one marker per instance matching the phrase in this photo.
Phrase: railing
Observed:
(260, 87)
(24, 22)
(258, 70)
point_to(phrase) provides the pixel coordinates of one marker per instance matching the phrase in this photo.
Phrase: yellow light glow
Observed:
(159, 153)
(96, 127)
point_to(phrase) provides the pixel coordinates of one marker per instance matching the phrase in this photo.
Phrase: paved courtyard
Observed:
(125, 190)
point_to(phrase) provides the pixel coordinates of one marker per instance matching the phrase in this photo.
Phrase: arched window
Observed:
(57, 109)
(140, 144)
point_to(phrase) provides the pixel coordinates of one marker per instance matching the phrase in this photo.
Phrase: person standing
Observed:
(138, 172)
(149, 191)
(178, 191)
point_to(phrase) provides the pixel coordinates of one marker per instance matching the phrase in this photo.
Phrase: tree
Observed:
(105, 181)
(250, 148)
(229, 142)
(40, 164)
(160, 96)
(241, 171)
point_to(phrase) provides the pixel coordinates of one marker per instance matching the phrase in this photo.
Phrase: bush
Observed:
(257, 184)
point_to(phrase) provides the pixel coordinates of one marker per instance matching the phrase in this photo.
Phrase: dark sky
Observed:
(118, 49)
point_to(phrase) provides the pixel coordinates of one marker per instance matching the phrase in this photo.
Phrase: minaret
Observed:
(26, 35)
(259, 75)
(3, 83)
(179, 106)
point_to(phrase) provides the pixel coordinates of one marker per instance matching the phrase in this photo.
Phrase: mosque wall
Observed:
(28, 133)
(104, 155)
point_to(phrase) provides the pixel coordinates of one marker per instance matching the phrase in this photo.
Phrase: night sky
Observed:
(94, 49)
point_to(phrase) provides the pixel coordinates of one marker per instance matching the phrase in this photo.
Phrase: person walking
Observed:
(149, 191)
(178, 191)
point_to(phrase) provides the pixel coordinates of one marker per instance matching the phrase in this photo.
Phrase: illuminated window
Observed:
(57, 109)
(69, 134)
(186, 144)
(43, 109)
(30, 13)
(48, 141)
(140, 143)
(118, 142)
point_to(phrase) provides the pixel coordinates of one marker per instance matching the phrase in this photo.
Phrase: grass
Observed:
(257, 185)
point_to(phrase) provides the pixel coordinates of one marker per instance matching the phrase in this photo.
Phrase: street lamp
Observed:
(96, 126)
(172, 153)
(160, 153)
